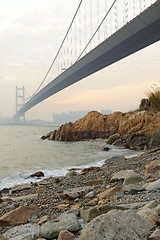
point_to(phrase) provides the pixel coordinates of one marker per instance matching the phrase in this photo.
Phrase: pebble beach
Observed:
(54, 197)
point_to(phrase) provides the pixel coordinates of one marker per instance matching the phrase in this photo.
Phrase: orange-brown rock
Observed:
(137, 130)
(153, 169)
(61, 207)
(43, 220)
(66, 235)
(76, 206)
(93, 182)
(19, 215)
(37, 174)
(93, 202)
(109, 193)
(86, 170)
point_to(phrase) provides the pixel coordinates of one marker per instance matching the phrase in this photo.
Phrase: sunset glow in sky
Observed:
(30, 34)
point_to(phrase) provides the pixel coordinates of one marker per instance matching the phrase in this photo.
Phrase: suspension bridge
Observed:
(100, 33)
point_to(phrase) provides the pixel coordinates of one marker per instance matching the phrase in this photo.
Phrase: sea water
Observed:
(22, 153)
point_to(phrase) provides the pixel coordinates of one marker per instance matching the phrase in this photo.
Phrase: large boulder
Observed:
(132, 178)
(88, 213)
(154, 186)
(153, 169)
(129, 177)
(66, 221)
(23, 232)
(150, 216)
(116, 225)
(19, 215)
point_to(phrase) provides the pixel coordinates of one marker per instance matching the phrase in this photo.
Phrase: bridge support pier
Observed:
(20, 101)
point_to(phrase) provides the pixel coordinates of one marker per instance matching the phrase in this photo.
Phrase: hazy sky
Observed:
(30, 34)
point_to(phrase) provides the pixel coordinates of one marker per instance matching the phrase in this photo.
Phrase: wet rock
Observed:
(37, 174)
(66, 235)
(19, 215)
(113, 138)
(4, 191)
(68, 222)
(106, 149)
(116, 225)
(71, 173)
(47, 136)
(87, 170)
(115, 158)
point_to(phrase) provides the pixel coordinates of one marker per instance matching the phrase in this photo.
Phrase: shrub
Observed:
(153, 96)
(142, 104)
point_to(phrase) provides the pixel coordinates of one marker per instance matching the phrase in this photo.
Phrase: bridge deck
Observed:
(135, 35)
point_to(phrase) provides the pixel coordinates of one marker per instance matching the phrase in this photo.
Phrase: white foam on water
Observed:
(19, 159)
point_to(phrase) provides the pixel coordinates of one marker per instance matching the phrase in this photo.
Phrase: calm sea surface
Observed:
(22, 152)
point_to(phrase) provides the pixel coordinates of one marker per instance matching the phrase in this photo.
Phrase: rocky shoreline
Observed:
(138, 130)
(120, 200)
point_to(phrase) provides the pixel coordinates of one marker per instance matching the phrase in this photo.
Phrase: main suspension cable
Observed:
(58, 50)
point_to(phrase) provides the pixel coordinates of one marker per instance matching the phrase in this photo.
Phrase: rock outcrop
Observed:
(135, 130)
(116, 225)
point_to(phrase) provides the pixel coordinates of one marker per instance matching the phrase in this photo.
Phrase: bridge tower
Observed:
(20, 101)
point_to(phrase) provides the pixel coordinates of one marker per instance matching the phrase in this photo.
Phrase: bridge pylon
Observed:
(20, 101)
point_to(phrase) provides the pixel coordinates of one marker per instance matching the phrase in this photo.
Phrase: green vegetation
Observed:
(154, 99)
(142, 104)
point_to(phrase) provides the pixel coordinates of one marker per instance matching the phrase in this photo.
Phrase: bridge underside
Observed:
(141, 32)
